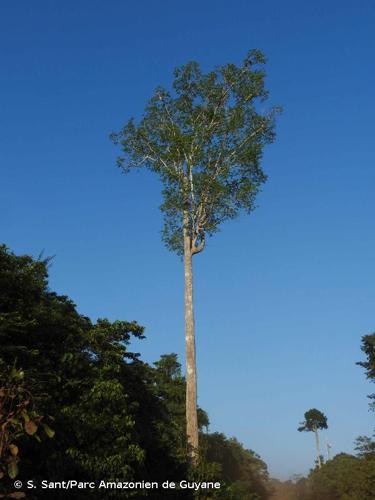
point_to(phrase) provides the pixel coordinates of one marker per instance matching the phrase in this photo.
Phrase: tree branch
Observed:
(200, 247)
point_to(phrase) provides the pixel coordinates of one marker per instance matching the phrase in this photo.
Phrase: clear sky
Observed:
(283, 296)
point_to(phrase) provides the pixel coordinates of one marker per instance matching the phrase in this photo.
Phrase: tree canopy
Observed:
(314, 419)
(204, 138)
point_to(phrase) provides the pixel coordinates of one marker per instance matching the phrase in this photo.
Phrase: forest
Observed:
(77, 402)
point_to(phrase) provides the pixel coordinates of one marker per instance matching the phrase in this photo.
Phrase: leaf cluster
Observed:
(18, 419)
(368, 347)
(314, 420)
(205, 139)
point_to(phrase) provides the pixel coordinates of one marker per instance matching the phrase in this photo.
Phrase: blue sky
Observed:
(283, 296)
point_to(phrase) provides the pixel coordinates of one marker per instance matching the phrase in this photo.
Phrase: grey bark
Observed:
(317, 448)
(191, 370)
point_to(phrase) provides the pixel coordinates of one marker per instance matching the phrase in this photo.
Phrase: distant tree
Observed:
(364, 446)
(205, 141)
(314, 420)
(368, 347)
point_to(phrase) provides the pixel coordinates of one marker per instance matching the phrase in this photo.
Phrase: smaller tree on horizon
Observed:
(314, 420)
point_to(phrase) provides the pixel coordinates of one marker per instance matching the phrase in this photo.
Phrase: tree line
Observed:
(77, 403)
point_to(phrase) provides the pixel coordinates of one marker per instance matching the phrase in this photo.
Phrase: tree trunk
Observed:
(317, 448)
(191, 369)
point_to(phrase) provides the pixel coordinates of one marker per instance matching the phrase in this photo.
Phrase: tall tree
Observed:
(205, 140)
(314, 420)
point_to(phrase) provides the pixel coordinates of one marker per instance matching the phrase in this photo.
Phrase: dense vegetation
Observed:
(77, 403)
(345, 477)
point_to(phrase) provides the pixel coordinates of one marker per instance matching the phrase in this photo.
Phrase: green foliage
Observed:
(108, 440)
(343, 478)
(18, 419)
(205, 140)
(314, 419)
(101, 396)
(170, 388)
(241, 472)
(114, 417)
(364, 446)
(368, 347)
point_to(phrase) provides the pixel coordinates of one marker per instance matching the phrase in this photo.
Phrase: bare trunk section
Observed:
(191, 369)
(317, 443)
